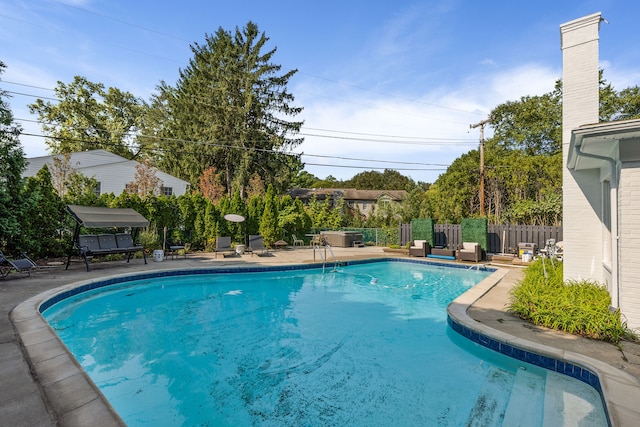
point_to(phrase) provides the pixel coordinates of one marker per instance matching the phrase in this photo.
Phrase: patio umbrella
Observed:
(234, 217)
(237, 218)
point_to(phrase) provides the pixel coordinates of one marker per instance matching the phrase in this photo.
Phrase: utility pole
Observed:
(481, 126)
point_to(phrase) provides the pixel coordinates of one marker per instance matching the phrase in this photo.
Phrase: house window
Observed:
(131, 188)
(167, 191)
(96, 189)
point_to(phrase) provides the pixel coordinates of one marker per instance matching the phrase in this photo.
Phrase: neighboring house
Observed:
(601, 182)
(112, 172)
(363, 200)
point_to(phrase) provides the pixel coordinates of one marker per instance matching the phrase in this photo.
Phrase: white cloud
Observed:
(442, 112)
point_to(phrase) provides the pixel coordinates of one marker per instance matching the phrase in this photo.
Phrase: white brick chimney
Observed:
(580, 106)
(580, 79)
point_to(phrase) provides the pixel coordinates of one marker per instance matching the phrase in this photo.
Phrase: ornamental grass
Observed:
(576, 307)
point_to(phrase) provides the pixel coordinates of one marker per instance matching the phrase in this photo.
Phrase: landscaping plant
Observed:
(575, 307)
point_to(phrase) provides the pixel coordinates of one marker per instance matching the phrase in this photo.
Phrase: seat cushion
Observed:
(418, 243)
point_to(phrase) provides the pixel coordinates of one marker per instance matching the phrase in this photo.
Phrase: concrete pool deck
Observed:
(42, 385)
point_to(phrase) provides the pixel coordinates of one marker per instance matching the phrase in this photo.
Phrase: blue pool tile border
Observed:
(546, 362)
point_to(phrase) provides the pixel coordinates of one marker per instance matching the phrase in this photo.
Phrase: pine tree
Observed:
(228, 110)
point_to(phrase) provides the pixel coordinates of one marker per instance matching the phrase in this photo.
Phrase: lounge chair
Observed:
(420, 248)
(297, 241)
(174, 249)
(470, 251)
(223, 244)
(22, 265)
(257, 244)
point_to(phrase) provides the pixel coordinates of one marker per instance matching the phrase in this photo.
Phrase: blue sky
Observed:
(383, 84)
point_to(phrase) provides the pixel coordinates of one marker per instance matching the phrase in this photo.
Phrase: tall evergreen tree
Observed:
(229, 109)
(45, 218)
(13, 200)
(269, 221)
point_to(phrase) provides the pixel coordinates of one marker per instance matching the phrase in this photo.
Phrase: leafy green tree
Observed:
(337, 215)
(628, 103)
(81, 190)
(88, 117)
(13, 200)
(454, 195)
(229, 110)
(373, 180)
(411, 206)
(304, 222)
(292, 217)
(132, 201)
(304, 179)
(329, 182)
(533, 124)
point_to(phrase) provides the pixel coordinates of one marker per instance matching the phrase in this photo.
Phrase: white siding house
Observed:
(601, 179)
(111, 171)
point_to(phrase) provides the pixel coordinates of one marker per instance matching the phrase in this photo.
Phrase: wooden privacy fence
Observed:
(502, 238)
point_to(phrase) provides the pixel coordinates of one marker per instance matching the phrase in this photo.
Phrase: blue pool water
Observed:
(366, 345)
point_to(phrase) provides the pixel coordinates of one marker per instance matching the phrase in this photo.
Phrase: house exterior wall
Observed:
(629, 245)
(110, 170)
(113, 178)
(582, 195)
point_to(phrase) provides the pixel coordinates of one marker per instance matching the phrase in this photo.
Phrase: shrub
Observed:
(575, 307)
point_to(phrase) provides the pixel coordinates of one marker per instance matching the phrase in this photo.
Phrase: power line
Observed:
(120, 21)
(435, 142)
(419, 140)
(26, 85)
(425, 140)
(32, 96)
(220, 145)
(388, 136)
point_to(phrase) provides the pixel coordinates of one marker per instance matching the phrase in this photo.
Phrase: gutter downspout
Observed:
(613, 165)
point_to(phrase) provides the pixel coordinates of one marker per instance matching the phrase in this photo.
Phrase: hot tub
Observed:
(341, 239)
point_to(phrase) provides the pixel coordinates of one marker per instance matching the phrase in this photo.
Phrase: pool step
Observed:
(527, 399)
(564, 404)
(490, 406)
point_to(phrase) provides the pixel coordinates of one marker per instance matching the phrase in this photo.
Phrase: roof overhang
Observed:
(95, 217)
(593, 146)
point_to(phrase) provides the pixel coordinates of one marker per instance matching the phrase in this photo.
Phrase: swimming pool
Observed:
(366, 345)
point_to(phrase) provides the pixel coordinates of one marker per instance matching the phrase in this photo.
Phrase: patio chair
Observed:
(22, 265)
(420, 248)
(257, 244)
(470, 251)
(174, 249)
(223, 244)
(297, 241)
